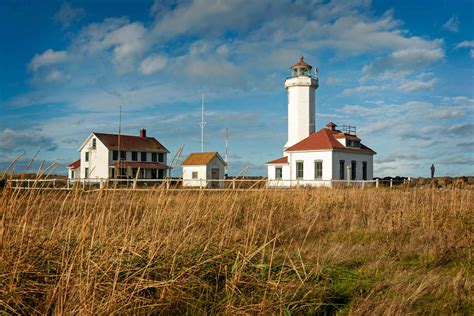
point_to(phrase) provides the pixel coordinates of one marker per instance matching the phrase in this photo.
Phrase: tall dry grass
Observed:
(275, 252)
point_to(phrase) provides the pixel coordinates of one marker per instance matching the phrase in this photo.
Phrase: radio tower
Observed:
(202, 124)
(226, 151)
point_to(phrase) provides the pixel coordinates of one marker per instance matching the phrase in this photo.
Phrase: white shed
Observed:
(200, 169)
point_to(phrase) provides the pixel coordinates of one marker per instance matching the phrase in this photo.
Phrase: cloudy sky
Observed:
(401, 71)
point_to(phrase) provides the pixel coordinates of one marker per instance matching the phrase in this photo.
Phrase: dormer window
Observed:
(353, 143)
(94, 142)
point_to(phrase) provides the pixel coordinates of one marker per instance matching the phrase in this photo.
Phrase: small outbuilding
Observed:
(204, 170)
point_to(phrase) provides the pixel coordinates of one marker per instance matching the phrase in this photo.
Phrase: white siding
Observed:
(348, 157)
(188, 180)
(204, 174)
(301, 108)
(98, 159)
(308, 158)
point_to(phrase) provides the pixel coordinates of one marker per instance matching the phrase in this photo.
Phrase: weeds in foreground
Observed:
(316, 251)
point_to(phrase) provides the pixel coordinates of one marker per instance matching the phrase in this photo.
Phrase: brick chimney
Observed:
(143, 132)
(331, 126)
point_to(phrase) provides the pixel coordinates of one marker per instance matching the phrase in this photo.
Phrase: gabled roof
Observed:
(325, 139)
(279, 161)
(201, 158)
(76, 164)
(131, 143)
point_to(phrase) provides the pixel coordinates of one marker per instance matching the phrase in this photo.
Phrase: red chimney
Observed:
(143, 132)
(331, 126)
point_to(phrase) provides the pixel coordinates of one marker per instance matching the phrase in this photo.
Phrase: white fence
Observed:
(223, 184)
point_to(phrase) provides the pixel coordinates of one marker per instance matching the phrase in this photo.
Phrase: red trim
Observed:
(282, 160)
(76, 164)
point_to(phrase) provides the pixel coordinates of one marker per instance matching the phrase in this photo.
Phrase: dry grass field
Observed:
(317, 251)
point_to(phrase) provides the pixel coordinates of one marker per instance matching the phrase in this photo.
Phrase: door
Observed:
(215, 175)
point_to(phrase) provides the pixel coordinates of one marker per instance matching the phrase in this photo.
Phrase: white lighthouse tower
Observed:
(301, 87)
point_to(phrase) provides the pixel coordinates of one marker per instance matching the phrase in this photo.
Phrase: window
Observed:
(134, 172)
(153, 174)
(86, 172)
(353, 143)
(86, 156)
(153, 157)
(73, 175)
(161, 157)
(353, 169)
(134, 156)
(112, 173)
(143, 173)
(115, 155)
(278, 172)
(364, 170)
(318, 169)
(195, 174)
(143, 156)
(299, 170)
(94, 142)
(123, 155)
(342, 167)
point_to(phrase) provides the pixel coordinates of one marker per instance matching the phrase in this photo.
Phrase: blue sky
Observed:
(401, 71)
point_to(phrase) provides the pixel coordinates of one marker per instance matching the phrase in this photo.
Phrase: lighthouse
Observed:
(301, 87)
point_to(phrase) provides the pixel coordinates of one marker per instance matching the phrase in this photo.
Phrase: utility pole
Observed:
(202, 124)
(226, 151)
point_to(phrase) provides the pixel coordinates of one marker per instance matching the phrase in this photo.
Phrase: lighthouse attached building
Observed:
(316, 158)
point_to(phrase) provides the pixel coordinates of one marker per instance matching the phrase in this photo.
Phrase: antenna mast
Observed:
(226, 151)
(202, 124)
(118, 143)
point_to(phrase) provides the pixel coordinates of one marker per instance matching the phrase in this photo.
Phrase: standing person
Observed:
(432, 170)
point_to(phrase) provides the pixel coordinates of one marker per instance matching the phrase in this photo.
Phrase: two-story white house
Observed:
(111, 156)
(316, 158)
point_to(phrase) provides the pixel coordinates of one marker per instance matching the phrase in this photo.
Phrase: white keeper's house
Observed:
(316, 158)
(113, 156)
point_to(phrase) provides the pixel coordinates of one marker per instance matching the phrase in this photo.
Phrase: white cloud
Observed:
(417, 85)
(332, 81)
(152, 64)
(452, 24)
(54, 75)
(402, 62)
(465, 44)
(68, 15)
(48, 58)
(127, 41)
(360, 89)
(11, 140)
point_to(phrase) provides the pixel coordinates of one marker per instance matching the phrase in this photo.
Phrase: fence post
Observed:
(233, 184)
(101, 183)
(134, 183)
(391, 183)
(376, 183)
(167, 184)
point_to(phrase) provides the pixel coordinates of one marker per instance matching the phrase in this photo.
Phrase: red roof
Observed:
(128, 142)
(136, 164)
(301, 63)
(76, 164)
(281, 160)
(324, 139)
(346, 136)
